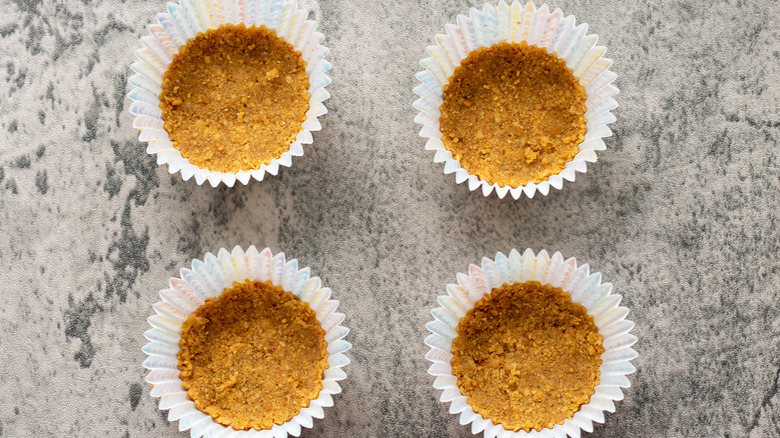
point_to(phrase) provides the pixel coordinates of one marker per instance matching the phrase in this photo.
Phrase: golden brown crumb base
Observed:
(513, 114)
(235, 98)
(526, 356)
(252, 357)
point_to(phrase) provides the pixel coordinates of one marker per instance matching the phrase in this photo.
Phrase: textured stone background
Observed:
(680, 213)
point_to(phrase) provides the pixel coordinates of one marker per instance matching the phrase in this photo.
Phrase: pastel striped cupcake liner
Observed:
(208, 278)
(585, 288)
(515, 23)
(181, 23)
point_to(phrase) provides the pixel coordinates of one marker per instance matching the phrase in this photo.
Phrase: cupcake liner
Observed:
(538, 27)
(208, 278)
(585, 288)
(182, 22)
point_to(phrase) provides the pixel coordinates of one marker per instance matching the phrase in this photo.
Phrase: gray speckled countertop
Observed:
(680, 213)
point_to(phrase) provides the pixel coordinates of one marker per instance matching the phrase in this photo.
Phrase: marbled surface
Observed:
(680, 213)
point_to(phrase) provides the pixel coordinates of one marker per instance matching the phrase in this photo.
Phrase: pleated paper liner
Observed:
(181, 23)
(539, 27)
(208, 278)
(585, 288)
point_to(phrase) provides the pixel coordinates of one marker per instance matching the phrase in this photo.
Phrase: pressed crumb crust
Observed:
(235, 98)
(512, 114)
(252, 357)
(526, 356)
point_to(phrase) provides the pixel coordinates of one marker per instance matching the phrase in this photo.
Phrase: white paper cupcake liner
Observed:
(585, 288)
(538, 27)
(208, 278)
(181, 23)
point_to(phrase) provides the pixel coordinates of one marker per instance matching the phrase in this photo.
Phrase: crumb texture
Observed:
(235, 98)
(253, 357)
(513, 114)
(526, 356)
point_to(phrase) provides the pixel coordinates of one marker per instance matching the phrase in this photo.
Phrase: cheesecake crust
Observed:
(235, 98)
(526, 356)
(252, 357)
(513, 114)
